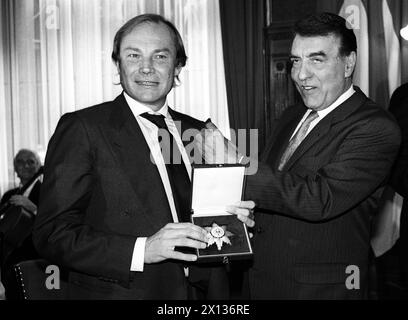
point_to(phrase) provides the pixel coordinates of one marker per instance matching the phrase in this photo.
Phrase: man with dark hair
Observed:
(321, 175)
(399, 176)
(324, 170)
(112, 216)
(328, 24)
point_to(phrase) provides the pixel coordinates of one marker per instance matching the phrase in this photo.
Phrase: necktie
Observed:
(297, 139)
(176, 170)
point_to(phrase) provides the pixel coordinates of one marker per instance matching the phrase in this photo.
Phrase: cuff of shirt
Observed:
(138, 255)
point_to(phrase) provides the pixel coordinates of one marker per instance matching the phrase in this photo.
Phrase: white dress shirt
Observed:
(150, 133)
(322, 113)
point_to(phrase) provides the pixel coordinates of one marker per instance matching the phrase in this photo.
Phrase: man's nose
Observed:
(304, 72)
(147, 66)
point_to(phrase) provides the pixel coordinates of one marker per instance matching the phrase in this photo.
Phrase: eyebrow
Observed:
(311, 55)
(317, 54)
(157, 50)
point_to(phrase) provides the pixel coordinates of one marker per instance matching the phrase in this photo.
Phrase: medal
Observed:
(218, 235)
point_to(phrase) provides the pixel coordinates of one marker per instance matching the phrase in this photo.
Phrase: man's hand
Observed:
(244, 211)
(215, 148)
(22, 201)
(161, 245)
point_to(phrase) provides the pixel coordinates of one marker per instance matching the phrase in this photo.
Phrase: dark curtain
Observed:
(378, 75)
(242, 23)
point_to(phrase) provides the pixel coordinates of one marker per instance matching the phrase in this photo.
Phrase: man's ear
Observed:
(117, 64)
(350, 64)
(177, 70)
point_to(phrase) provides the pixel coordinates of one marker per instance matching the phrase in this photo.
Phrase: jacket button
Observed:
(126, 212)
(259, 230)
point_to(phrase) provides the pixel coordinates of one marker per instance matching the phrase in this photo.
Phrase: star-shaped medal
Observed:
(218, 235)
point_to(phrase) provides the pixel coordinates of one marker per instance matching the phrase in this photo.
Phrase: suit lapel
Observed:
(279, 141)
(323, 127)
(133, 155)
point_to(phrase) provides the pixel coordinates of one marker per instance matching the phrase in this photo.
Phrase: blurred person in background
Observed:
(18, 208)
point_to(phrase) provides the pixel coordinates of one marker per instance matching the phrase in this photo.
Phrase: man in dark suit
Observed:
(26, 165)
(315, 205)
(16, 223)
(321, 175)
(112, 209)
(399, 177)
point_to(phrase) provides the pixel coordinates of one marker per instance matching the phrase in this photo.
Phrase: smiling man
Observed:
(321, 175)
(321, 69)
(109, 214)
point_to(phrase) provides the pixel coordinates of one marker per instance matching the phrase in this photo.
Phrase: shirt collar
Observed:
(139, 108)
(349, 92)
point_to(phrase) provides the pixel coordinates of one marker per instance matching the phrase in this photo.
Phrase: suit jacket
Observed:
(11, 255)
(399, 108)
(314, 216)
(399, 174)
(100, 192)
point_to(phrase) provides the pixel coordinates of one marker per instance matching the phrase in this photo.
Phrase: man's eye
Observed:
(295, 62)
(160, 56)
(317, 61)
(134, 55)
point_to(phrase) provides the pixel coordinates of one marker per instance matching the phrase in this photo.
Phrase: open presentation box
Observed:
(214, 188)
